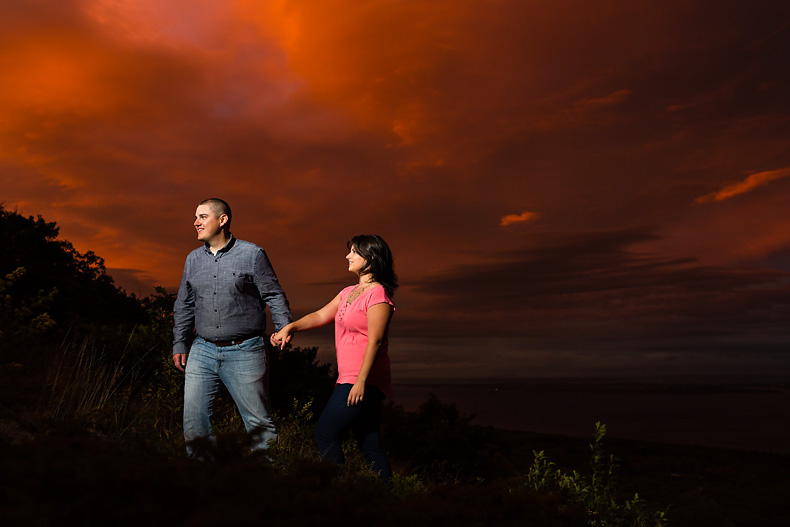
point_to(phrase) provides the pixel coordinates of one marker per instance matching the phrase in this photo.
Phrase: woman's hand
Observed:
(316, 319)
(356, 394)
(282, 337)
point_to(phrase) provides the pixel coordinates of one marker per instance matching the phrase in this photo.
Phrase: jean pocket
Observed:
(251, 345)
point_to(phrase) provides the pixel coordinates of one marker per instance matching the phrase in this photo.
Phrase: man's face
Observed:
(207, 224)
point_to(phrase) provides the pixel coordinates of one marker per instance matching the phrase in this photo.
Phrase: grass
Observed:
(100, 442)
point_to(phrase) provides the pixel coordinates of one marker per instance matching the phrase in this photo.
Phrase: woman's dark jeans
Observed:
(363, 419)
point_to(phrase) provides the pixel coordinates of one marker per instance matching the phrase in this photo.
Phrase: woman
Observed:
(361, 314)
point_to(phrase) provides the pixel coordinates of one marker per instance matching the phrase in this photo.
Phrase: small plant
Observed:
(405, 486)
(597, 495)
(294, 443)
(356, 466)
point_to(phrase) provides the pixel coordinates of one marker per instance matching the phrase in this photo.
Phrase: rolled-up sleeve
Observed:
(183, 313)
(270, 290)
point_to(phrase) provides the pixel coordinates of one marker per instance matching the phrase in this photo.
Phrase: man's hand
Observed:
(282, 337)
(180, 360)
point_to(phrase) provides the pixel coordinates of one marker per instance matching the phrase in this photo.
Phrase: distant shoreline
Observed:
(750, 414)
(622, 379)
(625, 384)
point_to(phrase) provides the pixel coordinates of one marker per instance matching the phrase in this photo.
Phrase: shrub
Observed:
(23, 316)
(294, 446)
(597, 494)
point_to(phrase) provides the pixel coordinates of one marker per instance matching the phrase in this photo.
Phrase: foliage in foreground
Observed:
(597, 494)
(93, 406)
(100, 424)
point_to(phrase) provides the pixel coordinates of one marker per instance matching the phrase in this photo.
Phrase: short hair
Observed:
(219, 207)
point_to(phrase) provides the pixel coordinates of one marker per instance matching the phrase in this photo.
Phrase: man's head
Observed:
(219, 207)
(212, 220)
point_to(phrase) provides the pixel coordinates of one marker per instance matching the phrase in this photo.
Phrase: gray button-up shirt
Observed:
(224, 296)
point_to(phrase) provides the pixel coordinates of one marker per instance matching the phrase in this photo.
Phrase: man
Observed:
(226, 286)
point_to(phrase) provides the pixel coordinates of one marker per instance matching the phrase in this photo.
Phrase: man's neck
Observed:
(218, 242)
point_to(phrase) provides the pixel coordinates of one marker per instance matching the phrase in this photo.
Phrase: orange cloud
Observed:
(518, 218)
(750, 183)
(117, 116)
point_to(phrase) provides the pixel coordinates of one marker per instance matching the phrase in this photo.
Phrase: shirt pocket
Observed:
(241, 280)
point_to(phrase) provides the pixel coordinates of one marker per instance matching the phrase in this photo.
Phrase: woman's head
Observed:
(378, 260)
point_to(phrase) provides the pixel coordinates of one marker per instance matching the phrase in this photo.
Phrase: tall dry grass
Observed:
(93, 386)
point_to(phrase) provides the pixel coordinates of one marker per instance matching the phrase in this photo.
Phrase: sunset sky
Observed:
(569, 188)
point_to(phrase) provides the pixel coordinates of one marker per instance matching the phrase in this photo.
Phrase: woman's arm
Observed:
(379, 317)
(316, 319)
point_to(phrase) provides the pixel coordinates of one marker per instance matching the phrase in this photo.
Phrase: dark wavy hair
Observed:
(378, 260)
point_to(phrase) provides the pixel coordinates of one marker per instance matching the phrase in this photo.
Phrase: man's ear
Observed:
(223, 219)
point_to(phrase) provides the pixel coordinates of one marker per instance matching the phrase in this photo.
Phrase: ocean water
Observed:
(740, 415)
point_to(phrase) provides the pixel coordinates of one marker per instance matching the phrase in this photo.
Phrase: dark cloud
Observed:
(592, 289)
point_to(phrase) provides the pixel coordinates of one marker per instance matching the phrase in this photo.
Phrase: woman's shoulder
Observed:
(378, 294)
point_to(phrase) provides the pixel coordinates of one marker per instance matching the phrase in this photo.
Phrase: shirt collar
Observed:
(228, 246)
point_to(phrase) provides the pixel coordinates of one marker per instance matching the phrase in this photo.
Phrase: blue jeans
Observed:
(363, 419)
(242, 369)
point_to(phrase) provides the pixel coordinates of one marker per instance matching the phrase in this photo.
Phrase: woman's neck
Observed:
(366, 279)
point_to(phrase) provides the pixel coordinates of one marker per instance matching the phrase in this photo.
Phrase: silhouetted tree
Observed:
(26, 317)
(75, 287)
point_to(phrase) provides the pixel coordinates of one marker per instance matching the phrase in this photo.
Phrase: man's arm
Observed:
(270, 290)
(183, 319)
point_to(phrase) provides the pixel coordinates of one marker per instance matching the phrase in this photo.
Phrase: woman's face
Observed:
(355, 261)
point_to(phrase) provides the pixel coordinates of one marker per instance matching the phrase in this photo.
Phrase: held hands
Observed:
(356, 394)
(282, 337)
